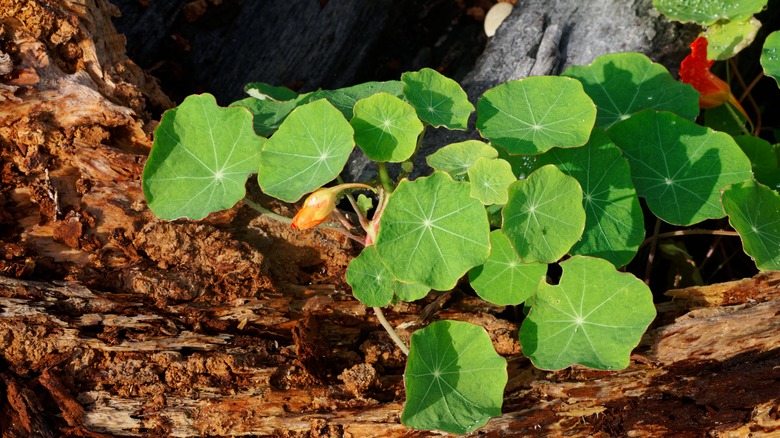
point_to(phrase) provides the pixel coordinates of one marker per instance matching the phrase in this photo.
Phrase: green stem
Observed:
(390, 331)
(384, 177)
(267, 212)
(687, 233)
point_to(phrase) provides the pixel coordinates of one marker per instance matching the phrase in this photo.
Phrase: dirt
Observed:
(115, 323)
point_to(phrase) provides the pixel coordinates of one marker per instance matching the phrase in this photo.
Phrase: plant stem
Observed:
(393, 335)
(334, 226)
(651, 256)
(267, 212)
(687, 233)
(361, 217)
(384, 177)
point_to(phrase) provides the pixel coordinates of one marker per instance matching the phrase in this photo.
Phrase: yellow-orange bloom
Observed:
(316, 208)
(320, 204)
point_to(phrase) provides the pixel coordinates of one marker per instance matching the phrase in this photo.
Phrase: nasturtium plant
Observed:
(614, 224)
(544, 217)
(455, 377)
(532, 115)
(770, 55)
(310, 149)
(622, 84)
(555, 180)
(504, 279)
(386, 128)
(729, 38)
(679, 167)
(202, 157)
(490, 179)
(594, 316)
(439, 100)
(344, 99)
(708, 12)
(457, 158)
(754, 211)
(433, 231)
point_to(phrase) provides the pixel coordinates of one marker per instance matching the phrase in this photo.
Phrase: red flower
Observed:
(695, 70)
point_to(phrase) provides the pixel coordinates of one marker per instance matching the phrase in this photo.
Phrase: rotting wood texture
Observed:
(113, 323)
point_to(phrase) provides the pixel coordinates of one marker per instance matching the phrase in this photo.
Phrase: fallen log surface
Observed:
(113, 323)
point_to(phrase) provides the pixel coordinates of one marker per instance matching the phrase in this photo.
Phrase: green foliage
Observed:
(622, 84)
(386, 127)
(594, 317)
(456, 158)
(679, 167)
(559, 182)
(504, 279)
(754, 211)
(433, 231)
(614, 224)
(454, 378)
(729, 38)
(439, 100)
(708, 12)
(309, 149)
(532, 115)
(770, 55)
(544, 217)
(201, 159)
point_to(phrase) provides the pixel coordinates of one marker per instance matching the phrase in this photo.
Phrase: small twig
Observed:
(688, 233)
(390, 331)
(750, 86)
(651, 256)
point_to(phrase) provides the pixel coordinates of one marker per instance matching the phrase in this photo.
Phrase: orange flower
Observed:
(319, 205)
(316, 208)
(695, 70)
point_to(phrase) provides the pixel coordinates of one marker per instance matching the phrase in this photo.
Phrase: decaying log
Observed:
(133, 371)
(137, 327)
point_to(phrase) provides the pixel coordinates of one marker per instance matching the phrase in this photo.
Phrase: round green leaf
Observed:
(770, 55)
(678, 166)
(372, 284)
(534, 114)
(439, 100)
(490, 179)
(724, 40)
(410, 291)
(200, 160)
(594, 317)
(310, 148)
(544, 216)
(454, 378)
(386, 128)
(708, 12)
(763, 159)
(344, 99)
(622, 84)
(754, 211)
(614, 225)
(504, 279)
(263, 91)
(432, 231)
(456, 158)
(267, 114)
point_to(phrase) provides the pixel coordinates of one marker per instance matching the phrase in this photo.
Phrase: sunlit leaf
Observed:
(678, 166)
(534, 114)
(504, 279)
(456, 158)
(594, 316)
(201, 158)
(708, 12)
(544, 217)
(432, 232)
(386, 128)
(310, 149)
(770, 55)
(439, 100)
(454, 378)
(489, 179)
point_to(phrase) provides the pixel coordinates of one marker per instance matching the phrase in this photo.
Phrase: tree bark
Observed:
(113, 323)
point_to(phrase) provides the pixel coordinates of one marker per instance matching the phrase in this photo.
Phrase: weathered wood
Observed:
(138, 327)
(231, 383)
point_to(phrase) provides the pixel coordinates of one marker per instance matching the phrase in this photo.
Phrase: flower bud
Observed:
(316, 208)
